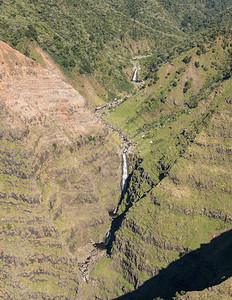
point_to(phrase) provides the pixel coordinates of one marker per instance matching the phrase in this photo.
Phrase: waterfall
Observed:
(135, 75)
(108, 236)
(124, 177)
(124, 187)
(124, 173)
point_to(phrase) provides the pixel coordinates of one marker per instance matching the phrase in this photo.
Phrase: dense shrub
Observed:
(188, 85)
(187, 59)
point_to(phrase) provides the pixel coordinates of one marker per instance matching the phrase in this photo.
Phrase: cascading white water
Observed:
(124, 185)
(124, 172)
(124, 176)
(108, 236)
(135, 75)
(115, 211)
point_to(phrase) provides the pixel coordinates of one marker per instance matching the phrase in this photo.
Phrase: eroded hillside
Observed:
(60, 175)
(169, 235)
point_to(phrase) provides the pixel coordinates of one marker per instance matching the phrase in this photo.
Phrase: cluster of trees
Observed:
(96, 36)
(85, 36)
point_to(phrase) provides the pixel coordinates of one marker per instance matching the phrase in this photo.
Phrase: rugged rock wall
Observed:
(59, 175)
(187, 207)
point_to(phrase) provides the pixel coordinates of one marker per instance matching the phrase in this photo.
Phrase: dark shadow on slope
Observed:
(207, 266)
(117, 221)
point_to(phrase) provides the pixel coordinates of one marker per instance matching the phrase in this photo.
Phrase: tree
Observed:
(197, 64)
(187, 59)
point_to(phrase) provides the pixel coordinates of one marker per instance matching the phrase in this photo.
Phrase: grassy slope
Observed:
(190, 146)
(156, 116)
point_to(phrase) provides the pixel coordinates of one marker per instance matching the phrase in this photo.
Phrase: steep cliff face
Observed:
(185, 209)
(59, 175)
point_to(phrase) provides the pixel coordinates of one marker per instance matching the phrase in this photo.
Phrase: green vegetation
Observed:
(197, 64)
(54, 145)
(187, 59)
(98, 38)
(175, 126)
(57, 185)
(187, 85)
(87, 37)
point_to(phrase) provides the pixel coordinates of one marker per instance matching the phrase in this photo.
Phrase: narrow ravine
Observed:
(126, 143)
(113, 104)
(129, 146)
